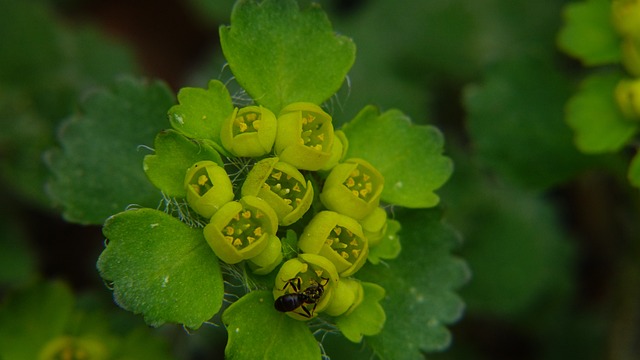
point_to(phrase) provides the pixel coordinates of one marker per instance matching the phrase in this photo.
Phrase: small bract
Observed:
(208, 187)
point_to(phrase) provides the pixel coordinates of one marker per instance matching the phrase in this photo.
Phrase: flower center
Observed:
(244, 228)
(314, 131)
(201, 183)
(285, 186)
(359, 183)
(247, 122)
(345, 242)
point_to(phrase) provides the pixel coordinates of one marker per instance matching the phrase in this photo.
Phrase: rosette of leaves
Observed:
(159, 262)
(605, 112)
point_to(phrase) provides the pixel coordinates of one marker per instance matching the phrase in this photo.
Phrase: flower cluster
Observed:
(626, 21)
(299, 175)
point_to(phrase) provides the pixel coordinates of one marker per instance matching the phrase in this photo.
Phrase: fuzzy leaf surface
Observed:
(258, 331)
(97, 171)
(420, 285)
(174, 154)
(161, 268)
(280, 54)
(409, 156)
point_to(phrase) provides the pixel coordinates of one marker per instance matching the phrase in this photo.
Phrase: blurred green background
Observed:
(552, 236)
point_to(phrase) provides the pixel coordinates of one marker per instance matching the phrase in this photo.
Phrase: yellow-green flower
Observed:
(353, 188)
(338, 238)
(249, 131)
(208, 187)
(307, 270)
(241, 230)
(305, 136)
(282, 186)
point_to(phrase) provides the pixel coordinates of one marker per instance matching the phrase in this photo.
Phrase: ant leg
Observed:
(307, 314)
(312, 309)
(295, 286)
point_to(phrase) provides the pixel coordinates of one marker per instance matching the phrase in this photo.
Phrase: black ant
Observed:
(299, 298)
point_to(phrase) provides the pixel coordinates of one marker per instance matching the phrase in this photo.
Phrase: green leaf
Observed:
(515, 120)
(44, 66)
(30, 318)
(97, 171)
(514, 242)
(257, 331)
(368, 318)
(281, 55)
(634, 171)
(409, 156)
(516, 250)
(420, 286)
(588, 33)
(161, 268)
(595, 117)
(389, 247)
(174, 154)
(201, 112)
